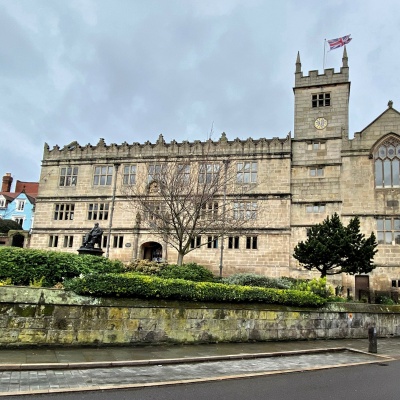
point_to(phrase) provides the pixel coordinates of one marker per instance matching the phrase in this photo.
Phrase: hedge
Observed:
(24, 266)
(189, 271)
(150, 287)
(248, 279)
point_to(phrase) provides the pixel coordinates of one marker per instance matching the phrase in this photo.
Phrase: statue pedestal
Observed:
(91, 251)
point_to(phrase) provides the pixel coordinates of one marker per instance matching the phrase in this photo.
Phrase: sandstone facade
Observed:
(301, 179)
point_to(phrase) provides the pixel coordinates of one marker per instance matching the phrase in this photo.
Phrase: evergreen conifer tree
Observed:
(332, 248)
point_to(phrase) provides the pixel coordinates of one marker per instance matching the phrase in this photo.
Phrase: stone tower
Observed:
(320, 127)
(321, 103)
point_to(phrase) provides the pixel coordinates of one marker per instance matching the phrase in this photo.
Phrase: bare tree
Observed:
(182, 199)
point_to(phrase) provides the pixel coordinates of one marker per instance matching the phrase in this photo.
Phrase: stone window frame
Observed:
(103, 175)
(68, 176)
(212, 242)
(183, 171)
(209, 172)
(129, 174)
(316, 145)
(209, 210)
(68, 241)
(245, 210)
(388, 230)
(251, 242)
(155, 171)
(98, 211)
(395, 283)
(246, 172)
(64, 211)
(315, 208)
(322, 99)
(195, 242)
(386, 155)
(233, 242)
(118, 241)
(53, 241)
(3, 203)
(316, 172)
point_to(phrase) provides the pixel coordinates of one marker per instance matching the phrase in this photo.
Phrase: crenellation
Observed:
(328, 77)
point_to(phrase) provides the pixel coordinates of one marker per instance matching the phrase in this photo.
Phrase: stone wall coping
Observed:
(49, 296)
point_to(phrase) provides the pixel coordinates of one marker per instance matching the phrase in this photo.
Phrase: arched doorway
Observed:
(151, 251)
(18, 240)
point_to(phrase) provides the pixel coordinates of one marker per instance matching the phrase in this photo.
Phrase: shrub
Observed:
(37, 282)
(190, 272)
(337, 299)
(145, 266)
(151, 287)
(317, 286)
(24, 266)
(258, 280)
(6, 282)
(386, 300)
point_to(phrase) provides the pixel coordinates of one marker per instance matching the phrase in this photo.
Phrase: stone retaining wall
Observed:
(31, 316)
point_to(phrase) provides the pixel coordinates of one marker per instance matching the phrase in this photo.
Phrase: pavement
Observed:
(51, 370)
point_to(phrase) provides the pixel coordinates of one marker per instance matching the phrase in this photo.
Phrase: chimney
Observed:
(7, 181)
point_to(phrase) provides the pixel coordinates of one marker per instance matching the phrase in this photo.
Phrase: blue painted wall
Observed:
(14, 211)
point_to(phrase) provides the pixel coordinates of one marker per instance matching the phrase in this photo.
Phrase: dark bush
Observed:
(189, 272)
(8, 224)
(384, 299)
(23, 266)
(151, 287)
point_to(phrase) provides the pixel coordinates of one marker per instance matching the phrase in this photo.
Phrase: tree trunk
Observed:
(180, 259)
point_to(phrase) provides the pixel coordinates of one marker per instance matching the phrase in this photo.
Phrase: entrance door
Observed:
(362, 287)
(152, 251)
(18, 240)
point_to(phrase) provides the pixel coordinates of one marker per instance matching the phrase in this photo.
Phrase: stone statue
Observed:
(93, 237)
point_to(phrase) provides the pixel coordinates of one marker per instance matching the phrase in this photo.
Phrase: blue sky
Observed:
(129, 70)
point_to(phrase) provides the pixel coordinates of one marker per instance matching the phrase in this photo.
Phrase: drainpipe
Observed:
(116, 165)
(221, 257)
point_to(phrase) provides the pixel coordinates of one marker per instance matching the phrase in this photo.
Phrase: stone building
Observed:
(300, 180)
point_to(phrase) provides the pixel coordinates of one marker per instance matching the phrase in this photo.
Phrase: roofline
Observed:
(379, 116)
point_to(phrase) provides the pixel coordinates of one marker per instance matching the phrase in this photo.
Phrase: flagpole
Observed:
(323, 63)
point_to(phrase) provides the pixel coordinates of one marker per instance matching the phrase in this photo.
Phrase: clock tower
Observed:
(321, 104)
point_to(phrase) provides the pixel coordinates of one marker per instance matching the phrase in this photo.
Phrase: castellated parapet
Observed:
(264, 148)
(329, 77)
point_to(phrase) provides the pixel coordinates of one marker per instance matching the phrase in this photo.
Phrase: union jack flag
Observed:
(338, 42)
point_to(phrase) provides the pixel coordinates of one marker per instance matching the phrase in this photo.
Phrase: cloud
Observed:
(20, 59)
(129, 70)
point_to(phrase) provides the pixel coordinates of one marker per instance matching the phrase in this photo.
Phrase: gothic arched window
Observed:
(387, 164)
